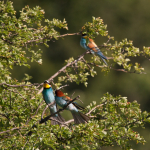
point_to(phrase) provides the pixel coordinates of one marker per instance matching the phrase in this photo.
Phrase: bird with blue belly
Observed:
(49, 98)
(62, 101)
(92, 47)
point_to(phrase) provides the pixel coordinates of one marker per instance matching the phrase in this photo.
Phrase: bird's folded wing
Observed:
(68, 99)
(93, 47)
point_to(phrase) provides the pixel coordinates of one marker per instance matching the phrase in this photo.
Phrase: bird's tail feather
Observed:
(61, 118)
(100, 54)
(57, 120)
(104, 61)
(80, 117)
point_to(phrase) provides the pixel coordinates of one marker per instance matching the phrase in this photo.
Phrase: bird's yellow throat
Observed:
(47, 86)
(85, 37)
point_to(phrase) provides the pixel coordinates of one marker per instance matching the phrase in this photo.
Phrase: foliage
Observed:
(112, 121)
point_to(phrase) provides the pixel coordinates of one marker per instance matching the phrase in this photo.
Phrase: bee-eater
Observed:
(49, 97)
(92, 47)
(62, 101)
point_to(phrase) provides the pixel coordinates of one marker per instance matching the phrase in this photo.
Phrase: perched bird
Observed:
(62, 101)
(92, 47)
(49, 97)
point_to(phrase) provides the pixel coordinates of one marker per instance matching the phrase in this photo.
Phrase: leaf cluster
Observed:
(112, 121)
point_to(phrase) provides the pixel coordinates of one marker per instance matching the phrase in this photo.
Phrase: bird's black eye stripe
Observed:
(46, 81)
(84, 34)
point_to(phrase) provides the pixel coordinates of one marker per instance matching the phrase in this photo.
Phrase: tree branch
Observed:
(16, 128)
(78, 33)
(49, 38)
(94, 108)
(61, 87)
(123, 70)
(63, 68)
(18, 85)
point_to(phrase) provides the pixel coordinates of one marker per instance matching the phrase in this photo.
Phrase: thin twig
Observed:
(62, 123)
(49, 38)
(69, 121)
(69, 34)
(95, 65)
(80, 100)
(74, 68)
(35, 112)
(14, 91)
(68, 75)
(123, 70)
(110, 58)
(46, 108)
(52, 81)
(94, 108)
(16, 128)
(25, 143)
(106, 43)
(20, 95)
(108, 40)
(61, 87)
(86, 63)
(72, 95)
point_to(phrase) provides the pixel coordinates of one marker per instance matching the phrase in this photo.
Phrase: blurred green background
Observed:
(125, 19)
